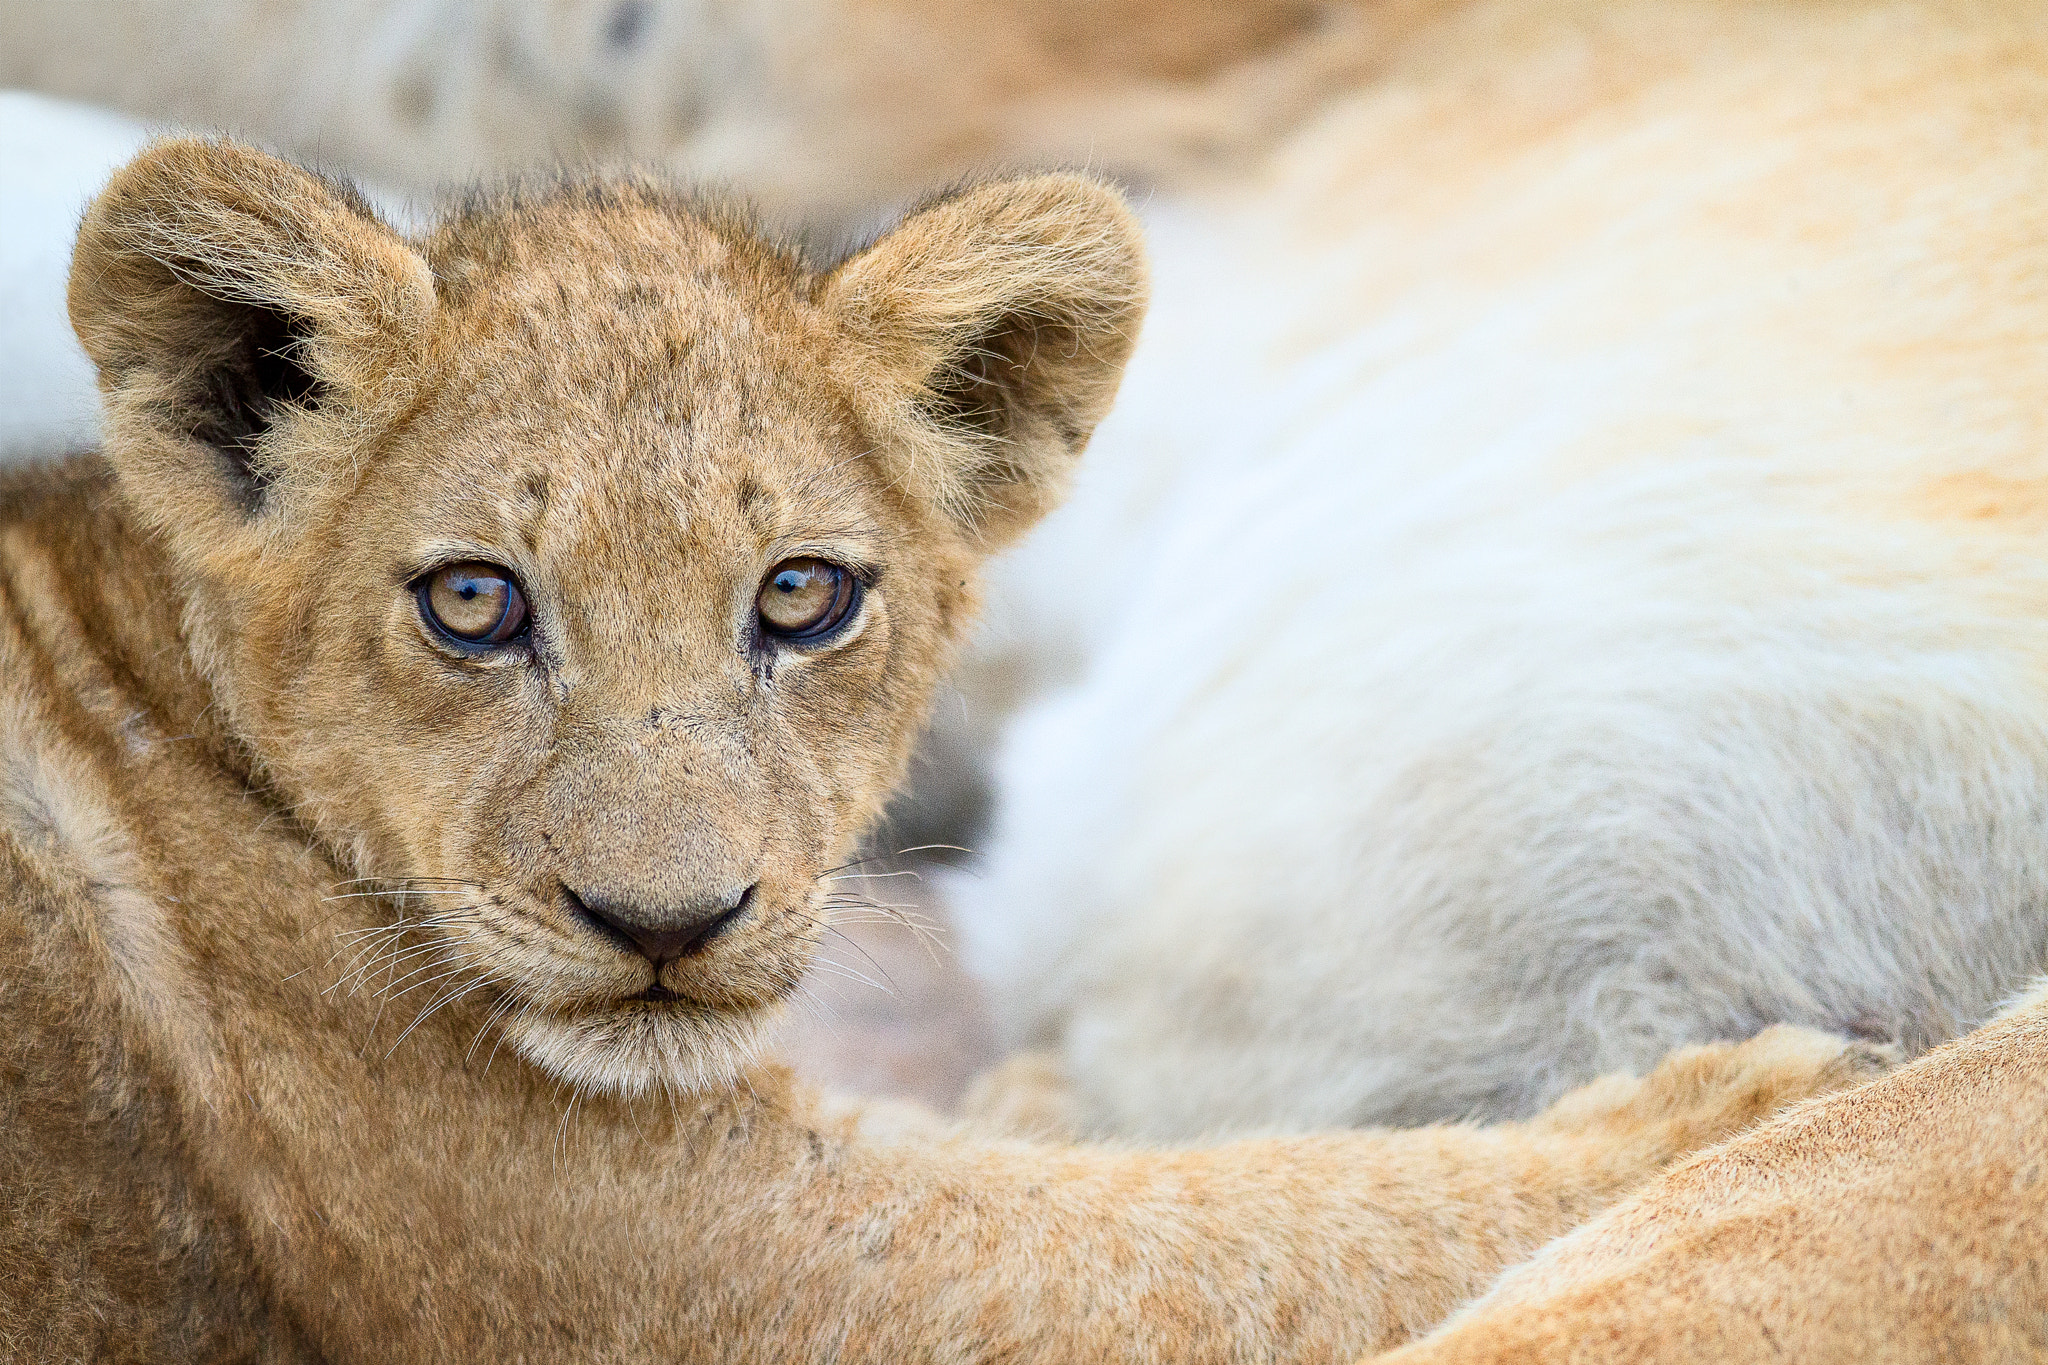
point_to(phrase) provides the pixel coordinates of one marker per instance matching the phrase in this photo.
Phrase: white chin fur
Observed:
(628, 1053)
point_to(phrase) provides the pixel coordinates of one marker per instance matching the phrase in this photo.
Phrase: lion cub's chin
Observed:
(628, 1050)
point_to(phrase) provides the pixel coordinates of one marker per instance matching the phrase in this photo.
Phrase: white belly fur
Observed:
(1566, 577)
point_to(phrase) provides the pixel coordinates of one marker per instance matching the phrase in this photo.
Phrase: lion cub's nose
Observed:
(666, 933)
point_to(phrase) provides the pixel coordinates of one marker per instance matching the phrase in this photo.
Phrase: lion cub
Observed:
(488, 643)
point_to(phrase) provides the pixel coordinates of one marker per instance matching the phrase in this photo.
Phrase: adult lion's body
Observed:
(1564, 578)
(818, 109)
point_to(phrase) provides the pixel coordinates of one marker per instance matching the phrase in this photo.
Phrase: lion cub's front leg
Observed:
(1371, 1236)
(1695, 1097)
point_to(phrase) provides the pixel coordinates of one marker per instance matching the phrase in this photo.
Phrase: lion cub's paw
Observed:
(1023, 1096)
(1699, 1095)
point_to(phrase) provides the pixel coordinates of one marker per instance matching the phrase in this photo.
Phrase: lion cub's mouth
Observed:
(607, 1021)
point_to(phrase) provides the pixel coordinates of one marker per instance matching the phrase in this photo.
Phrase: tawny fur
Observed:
(1901, 1223)
(305, 1057)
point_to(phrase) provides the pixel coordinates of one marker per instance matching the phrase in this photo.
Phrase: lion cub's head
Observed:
(590, 556)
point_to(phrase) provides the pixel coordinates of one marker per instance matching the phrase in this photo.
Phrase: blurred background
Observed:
(828, 114)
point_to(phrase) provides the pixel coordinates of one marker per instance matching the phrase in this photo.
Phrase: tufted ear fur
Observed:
(990, 330)
(247, 317)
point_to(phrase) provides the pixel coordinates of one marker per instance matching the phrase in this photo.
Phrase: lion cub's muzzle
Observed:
(661, 934)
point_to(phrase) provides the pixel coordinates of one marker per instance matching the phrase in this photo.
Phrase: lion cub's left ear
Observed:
(989, 332)
(249, 320)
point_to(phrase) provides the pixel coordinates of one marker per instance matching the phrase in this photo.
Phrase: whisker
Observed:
(385, 993)
(391, 960)
(815, 1005)
(345, 934)
(495, 1046)
(392, 994)
(562, 1129)
(368, 957)
(906, 915)
(926, 931)
(840, 969)
(854, 944)
(454, 967)
(439, 1004)
(386, 928)
(498, 1011)
(882, 857)
(407, 881)
(855, 862)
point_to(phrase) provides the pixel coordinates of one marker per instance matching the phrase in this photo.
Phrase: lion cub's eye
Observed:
(474, 604)
(804, 599)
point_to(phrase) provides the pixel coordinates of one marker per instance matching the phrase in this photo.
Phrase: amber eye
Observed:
(474, 604)
(803, 599)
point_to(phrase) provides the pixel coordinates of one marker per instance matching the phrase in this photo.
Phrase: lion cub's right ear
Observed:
(236, 305)
(988, 334)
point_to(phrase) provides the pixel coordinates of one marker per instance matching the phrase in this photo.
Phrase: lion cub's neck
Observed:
(93, 612)
(112, 770)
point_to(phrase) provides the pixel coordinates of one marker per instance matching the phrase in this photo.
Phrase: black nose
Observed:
(661, 935)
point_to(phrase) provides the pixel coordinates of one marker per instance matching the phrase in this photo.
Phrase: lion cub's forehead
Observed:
(617, 290)
(612, 353)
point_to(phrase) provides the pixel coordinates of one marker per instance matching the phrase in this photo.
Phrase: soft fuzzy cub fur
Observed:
(310, 1054)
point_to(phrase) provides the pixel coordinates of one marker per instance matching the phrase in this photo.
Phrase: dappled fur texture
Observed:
(820, 107)
(309, 1055)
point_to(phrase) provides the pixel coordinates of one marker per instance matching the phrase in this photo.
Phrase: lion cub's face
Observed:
(584, 569)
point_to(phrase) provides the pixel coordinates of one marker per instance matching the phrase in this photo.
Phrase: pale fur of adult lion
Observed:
(1563, 579)
(823, 108)
(53, 158)
(281, 865)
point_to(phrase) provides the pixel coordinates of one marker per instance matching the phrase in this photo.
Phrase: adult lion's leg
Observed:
(1699, 1095)
(1907, 1220)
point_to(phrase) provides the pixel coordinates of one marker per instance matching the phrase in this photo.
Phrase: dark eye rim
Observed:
(845, 604)
(517, 609)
